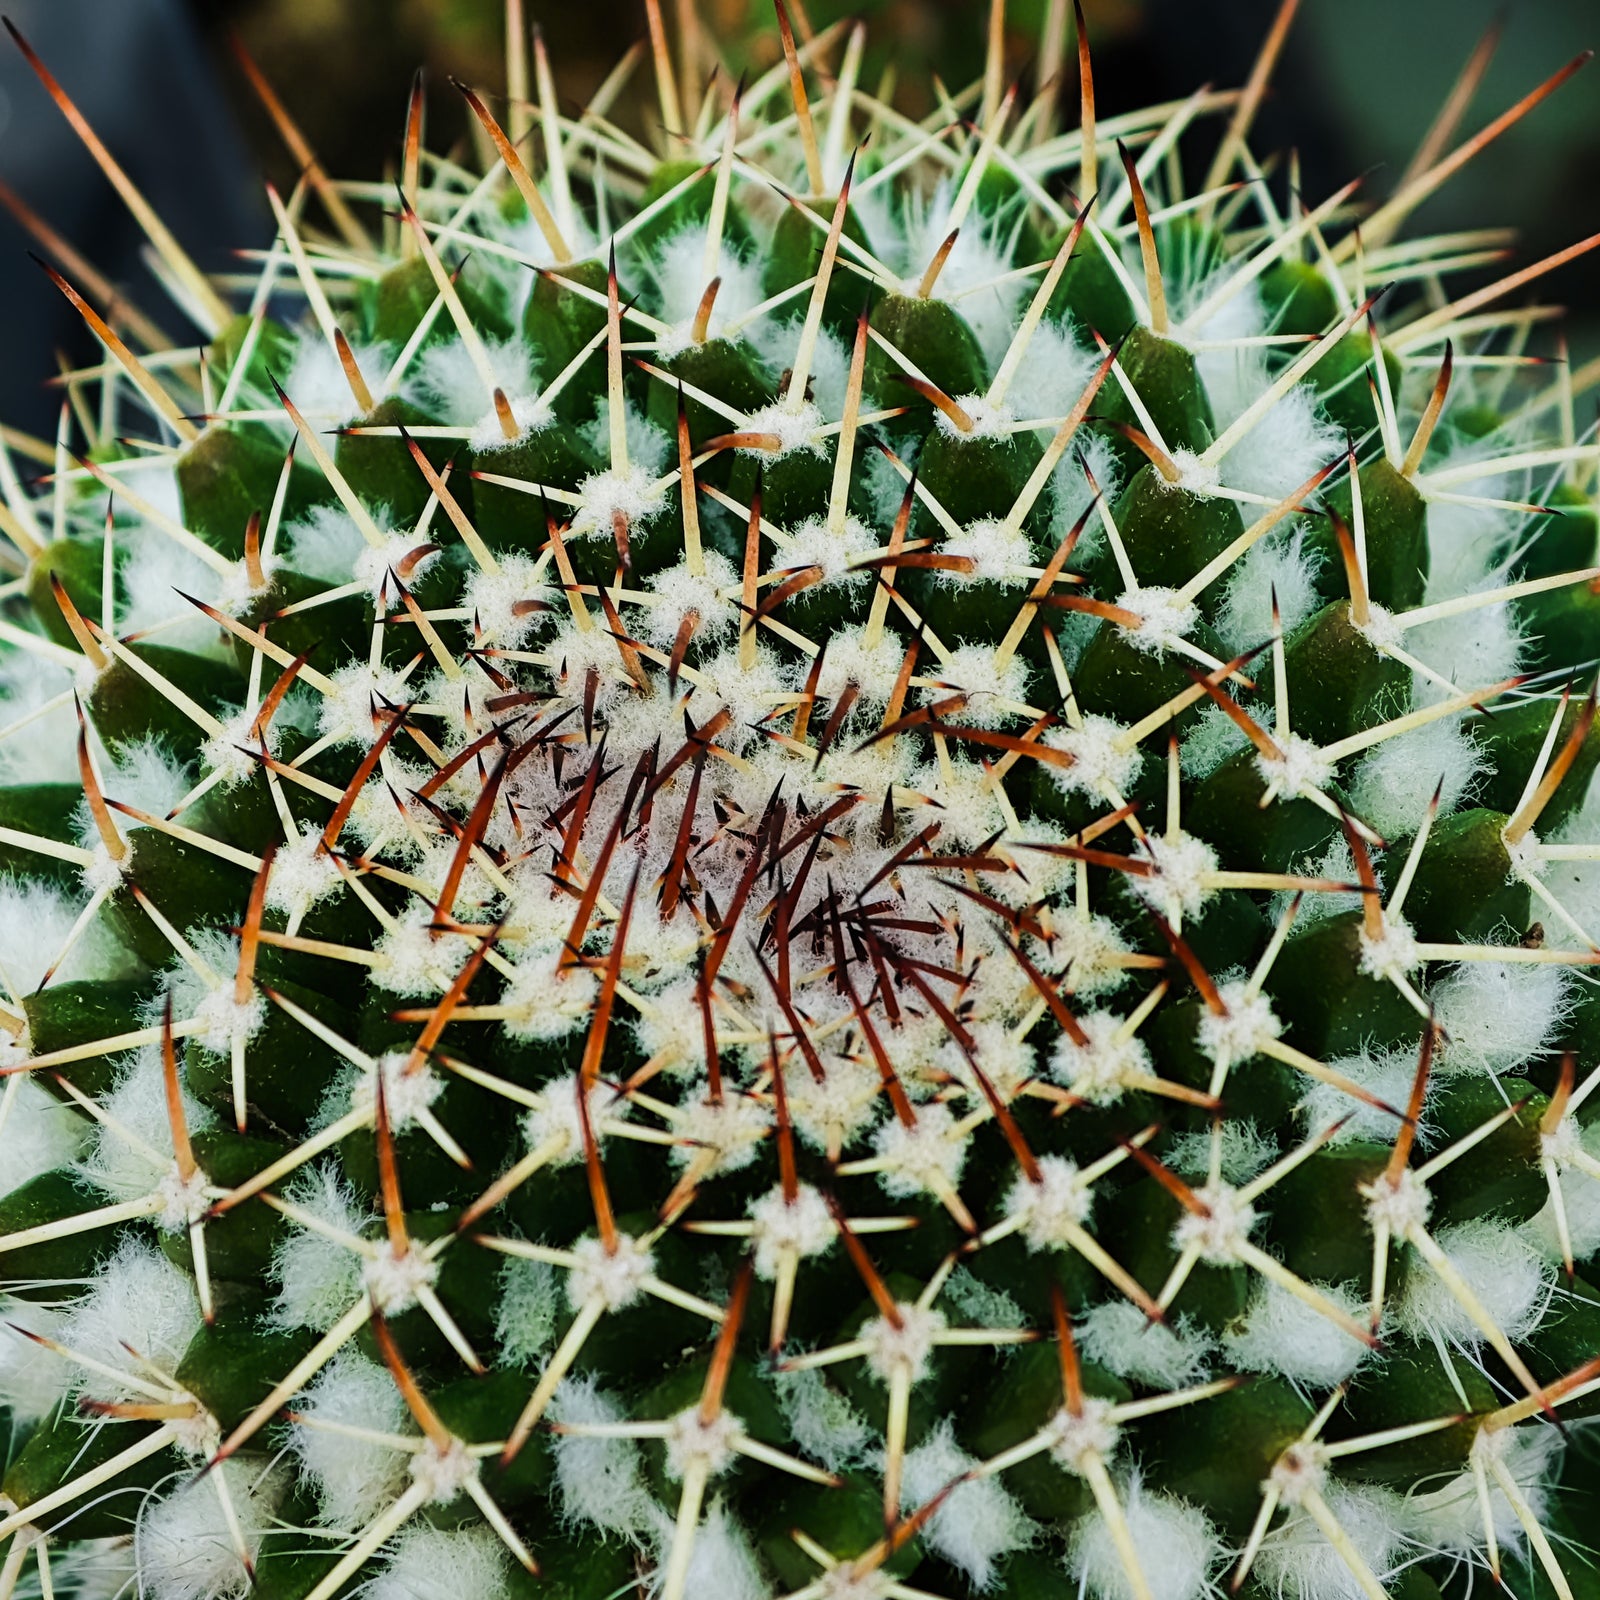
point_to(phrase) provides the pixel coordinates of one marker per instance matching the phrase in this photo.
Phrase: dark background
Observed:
(1360, 83)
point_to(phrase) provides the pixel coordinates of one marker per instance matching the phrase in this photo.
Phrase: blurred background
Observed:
(1359, 85)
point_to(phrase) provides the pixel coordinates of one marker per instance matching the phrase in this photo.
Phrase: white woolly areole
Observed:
(353, 1478)
(1393, 953)
(692, 1440)
(39, 1133)
(1398, 1204)
(422, 1562)
(780, 1228)
(631, 492)
(184, 1544)
(442, 1472)
(907, 1348)
(224, 1019)
(978, 1523)
(814, 544)
(971, 670)
(723, 1135)
(1177, 1548)
(319, 1278)
(1298, 1563)
(1501, 1268)
(233, 752)
(1087, 948)
(394, 1279)
(184, 1200)
(547, 1001)
(359, 691)
(416, 960)
(302, 873)
(1182, 865)
(928, 1155)
(1241, 1148)
(1281, 1334)
(494, 598)
(1498, 1016)
(406, 1095)
(872, 667)
(1100, 765)
(1055, 1207)
(708, 593)
(1244, 1028)
(556, 1121)
(1302, 769)
(795, 428)
(1100, 1069)
(529, 414)
(1382, 629)
(600, 1480)
(999, 552)
(1216, 1232)
(615, 1278)
(1450, 1517)
(988, 421)
(1091, 1430)
(1165, 618)
(375, 566)
(1392, 784)
(1121, 1338)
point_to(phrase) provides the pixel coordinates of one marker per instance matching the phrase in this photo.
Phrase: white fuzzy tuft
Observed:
(1100, 765)
(35, 919)
(140, 1309)
(1499, 1266)
(1277, 565)
(38, 1132)
(1472, 652)
(529, 1310)
(1391, 785)
(978, 1524)
(1178, 1548)
(1449, 1518)
(1123, 1340)
(326, 543)
(319, 1279)
(1281, 1334)
(352, 1478)
(183, 1540)
(601, 1481)
(32, 1379)
(1297, 1563)
(1580, 1202)
(1498, 1016)
(138, 1103)
(446, 380)
(822, 1423)
(722, 1563)
(428, 1563)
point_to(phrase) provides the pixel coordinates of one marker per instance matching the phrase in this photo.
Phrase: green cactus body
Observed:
(771, 875)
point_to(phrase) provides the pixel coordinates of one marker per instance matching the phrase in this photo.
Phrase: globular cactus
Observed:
(852, 858)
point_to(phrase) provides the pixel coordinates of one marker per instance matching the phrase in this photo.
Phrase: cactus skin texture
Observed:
(776, 869)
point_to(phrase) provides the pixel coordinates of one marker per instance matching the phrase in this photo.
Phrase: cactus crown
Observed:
(850, 859)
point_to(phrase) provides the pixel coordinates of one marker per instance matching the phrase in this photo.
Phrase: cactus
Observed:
(851, 857)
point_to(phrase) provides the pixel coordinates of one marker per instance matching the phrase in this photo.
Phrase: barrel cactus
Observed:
(854, 856)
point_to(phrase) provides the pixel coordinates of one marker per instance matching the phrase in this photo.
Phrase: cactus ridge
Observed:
(849, 857)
